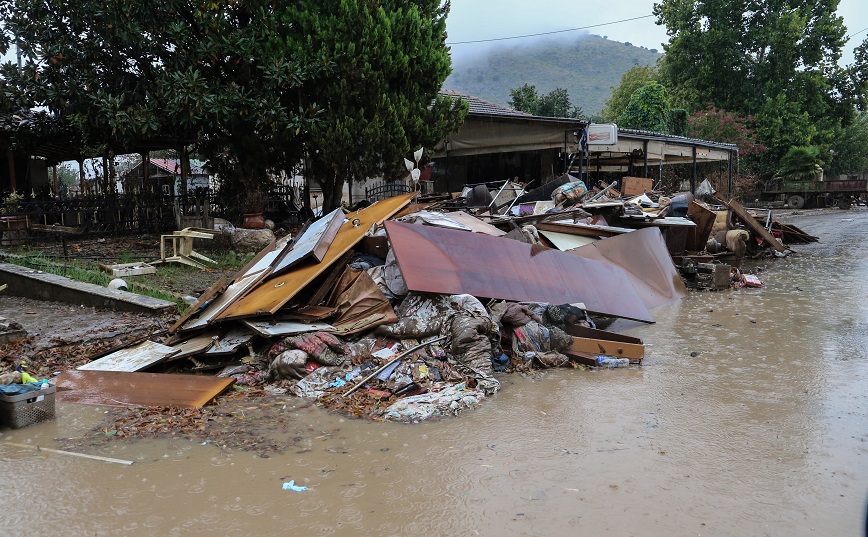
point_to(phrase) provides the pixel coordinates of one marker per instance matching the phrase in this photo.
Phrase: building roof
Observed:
(483, 107)
(173, 166)
(650, 135)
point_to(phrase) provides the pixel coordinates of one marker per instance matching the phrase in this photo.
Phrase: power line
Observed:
(550, 33)
(855, 34)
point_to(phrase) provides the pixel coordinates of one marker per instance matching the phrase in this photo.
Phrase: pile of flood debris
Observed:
(405, 309)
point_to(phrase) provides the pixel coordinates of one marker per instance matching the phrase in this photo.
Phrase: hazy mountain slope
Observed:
(587, 67)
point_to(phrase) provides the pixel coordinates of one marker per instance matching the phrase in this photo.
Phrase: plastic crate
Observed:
(25, 409)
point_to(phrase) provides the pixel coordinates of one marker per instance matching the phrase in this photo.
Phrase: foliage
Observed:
(801, 163)
(647, 109)
(381, 99)
(555, 103)
(721, 126)
(677, 121)
(137, 71)
(774, 60)
(849, 149)
(633, 79)
(587, 67)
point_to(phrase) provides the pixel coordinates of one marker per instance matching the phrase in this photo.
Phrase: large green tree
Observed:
(132, 74)
(555, 103)
(380, 101)
(647, 110)
(774, 59)
(632, 79)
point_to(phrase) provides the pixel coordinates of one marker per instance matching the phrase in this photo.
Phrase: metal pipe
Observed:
(392, 361)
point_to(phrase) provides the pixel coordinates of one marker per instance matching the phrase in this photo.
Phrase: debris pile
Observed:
(405, 309)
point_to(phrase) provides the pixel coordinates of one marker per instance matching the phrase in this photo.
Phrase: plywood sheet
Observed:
(231, 341)
(645, 259)
(313, 243)
(193, 346)
(225, 300)
(566, 241)
(704, 218)
(131, 359)
(444, 261)
(475, 224)
(113, 388)
(273, 294)
(285, 328)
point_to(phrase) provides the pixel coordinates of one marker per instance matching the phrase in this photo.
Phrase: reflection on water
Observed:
(762, 432)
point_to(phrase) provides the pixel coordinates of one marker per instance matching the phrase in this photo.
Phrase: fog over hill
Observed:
(587, 66)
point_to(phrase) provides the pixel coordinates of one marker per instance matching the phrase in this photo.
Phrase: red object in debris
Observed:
(751, 281)
(379, 394)
(310, 366)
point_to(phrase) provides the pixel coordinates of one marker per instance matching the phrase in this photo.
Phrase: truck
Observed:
(824, 192)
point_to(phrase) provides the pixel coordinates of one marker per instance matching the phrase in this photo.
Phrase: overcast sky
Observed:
(486, 19)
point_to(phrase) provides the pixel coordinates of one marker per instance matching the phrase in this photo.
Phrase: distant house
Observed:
(164, 175)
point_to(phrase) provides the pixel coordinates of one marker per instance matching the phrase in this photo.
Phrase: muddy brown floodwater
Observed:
(763, 432)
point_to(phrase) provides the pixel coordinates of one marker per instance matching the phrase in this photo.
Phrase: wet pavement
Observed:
(748, 417)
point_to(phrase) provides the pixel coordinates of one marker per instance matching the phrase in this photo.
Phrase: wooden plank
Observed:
(601, 342)
(338, 269)
(588, 230)
(115, 388)
(131, 359)
(704, 219)
(193, 346)
(273, 294)
(285, 328)
(230, 342)
(636, 186)
(128, 269)
(314, 242)
(225, 300)
(751, 222)
(218, 287)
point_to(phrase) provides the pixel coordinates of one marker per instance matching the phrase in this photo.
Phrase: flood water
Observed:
(763, 432)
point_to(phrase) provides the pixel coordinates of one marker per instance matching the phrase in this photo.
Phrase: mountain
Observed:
(587, 67)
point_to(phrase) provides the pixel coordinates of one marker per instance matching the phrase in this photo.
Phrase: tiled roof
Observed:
(674, 138)
(481, 106)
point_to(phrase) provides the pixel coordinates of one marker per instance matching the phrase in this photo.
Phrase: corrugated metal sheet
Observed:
(444, 261)
(644, 258)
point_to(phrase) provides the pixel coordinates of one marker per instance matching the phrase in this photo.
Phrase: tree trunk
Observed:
(331, 194)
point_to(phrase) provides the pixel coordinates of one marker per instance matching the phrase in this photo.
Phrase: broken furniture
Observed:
(182, 247)
(59, 232)
(128, 269)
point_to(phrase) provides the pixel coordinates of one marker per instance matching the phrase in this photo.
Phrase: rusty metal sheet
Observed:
(134, 358)
(445, 261)
(274, 293)
(643, 256)
(314, 242)
(115, 388)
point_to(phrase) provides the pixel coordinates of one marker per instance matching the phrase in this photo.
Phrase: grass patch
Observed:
(86, 275)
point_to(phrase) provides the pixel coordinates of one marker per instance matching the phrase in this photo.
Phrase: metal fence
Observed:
(386, 189)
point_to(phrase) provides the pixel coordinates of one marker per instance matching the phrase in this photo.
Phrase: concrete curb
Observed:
(30, 283)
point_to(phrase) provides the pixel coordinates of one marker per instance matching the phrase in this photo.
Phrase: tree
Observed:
(647, 110)
(850, 156)
(555, 103)
(801, 163)
(137, 73)
(722, 126)
(633, 79)
(775, 60)
(380, 101)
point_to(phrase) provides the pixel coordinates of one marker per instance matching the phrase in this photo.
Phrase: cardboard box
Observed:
(636, 186)
(603, 343)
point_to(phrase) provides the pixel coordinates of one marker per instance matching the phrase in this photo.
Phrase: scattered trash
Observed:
(290, 485)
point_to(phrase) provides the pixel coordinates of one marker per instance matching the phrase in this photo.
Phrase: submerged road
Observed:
(749, 417)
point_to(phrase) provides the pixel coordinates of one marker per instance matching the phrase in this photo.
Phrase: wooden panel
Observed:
(225, 300)
(704, 218)
(193, 346)
(113, 388)
(285, 328)
(218, 287)
(131, 359)
(603, 343)
(314, 242)
(475, 224)
(567, 241)
(230, 342)
(274, 293)
(751, 222)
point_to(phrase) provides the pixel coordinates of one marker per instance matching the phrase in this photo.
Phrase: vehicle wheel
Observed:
(795, 202)
(843, 203)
